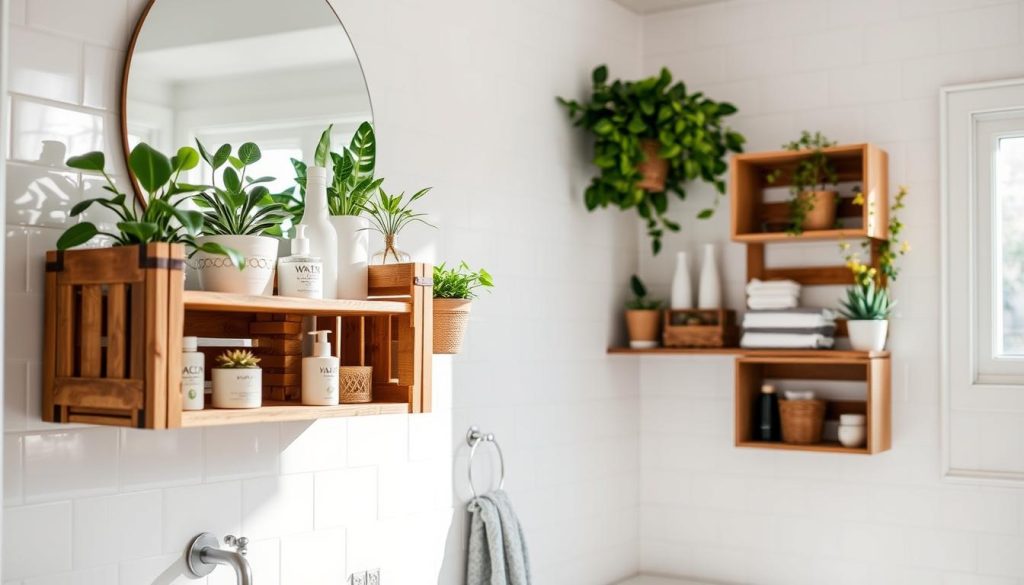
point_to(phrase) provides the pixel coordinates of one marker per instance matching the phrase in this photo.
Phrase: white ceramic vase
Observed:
(237, 387)
(867, 334)
(682, 288)
(710, 294)
(218, 274)
(353, 255)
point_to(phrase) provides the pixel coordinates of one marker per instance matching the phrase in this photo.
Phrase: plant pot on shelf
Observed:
(451, 318)
(237, 387)
(821, 212)
(353, 255)
(218, 274)
(867, 334)
(653, 169)
(643, 326)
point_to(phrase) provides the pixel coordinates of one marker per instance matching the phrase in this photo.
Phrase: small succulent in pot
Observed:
(454, 291)
(237, 380)
(238, 213)
(389, 215)
(162, 219)
(643, 316)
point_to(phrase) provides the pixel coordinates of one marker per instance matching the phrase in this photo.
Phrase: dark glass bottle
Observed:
(768, 427)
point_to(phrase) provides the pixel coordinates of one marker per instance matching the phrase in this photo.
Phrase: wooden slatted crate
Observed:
(115, 318)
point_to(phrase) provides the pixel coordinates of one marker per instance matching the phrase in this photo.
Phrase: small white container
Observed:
(237, 387)
(300, 274)
(193, 372)
(320, 373)
(867, 335)
(852, 430)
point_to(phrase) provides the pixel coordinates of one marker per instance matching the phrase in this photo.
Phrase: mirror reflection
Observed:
(233, 71)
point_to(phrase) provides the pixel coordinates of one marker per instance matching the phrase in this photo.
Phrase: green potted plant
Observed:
(162, 220)
(237, 214)
(651, 137)
(389, 215)
(643, 317)
(813, 195)
(352, 184)
(454, 291)
(868, 302)
(237, 380)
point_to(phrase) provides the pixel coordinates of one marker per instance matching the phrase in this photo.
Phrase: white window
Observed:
(983, 289)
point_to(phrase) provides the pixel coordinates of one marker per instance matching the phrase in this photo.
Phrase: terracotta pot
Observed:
(643, 328)
(822, 215)
(451, 318)
(654, 168)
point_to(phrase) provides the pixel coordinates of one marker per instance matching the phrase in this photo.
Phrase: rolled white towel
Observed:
(786, 340)
(773, 302)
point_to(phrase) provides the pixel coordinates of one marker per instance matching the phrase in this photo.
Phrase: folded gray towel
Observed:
(497, 548)
(827, 331)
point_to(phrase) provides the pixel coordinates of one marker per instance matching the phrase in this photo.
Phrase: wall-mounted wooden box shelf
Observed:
(756, 221)
(115, 318)
(874, 372)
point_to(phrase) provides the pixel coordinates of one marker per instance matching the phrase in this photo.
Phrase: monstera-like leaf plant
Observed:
(651, 137)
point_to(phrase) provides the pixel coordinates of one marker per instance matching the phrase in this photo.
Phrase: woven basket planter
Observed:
(802, 421)
(355, 384)
(451, 317)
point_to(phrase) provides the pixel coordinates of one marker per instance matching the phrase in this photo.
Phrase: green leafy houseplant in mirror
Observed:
(238, 211)
(454, 291)
(352, 184)
(389, 215)
(162, 220)
(650, 138)
(643, 317)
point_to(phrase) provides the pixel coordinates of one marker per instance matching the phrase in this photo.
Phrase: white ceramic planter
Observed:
(218, 274)
(353, 255)
(852, 430)
(237, 387)
(867, 335)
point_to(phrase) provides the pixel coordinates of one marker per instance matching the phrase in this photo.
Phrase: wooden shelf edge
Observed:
(819, 447)
(744, 352)
(807, 236)
(280, 412)
(211, 301)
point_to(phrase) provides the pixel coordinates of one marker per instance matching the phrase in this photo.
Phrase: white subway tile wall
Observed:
(859, 71)
(467, 109)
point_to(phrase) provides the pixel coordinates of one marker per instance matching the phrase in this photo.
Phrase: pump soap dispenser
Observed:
(320, 373)
(300, 275)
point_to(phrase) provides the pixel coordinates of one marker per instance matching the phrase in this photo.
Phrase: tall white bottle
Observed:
(323, 241)
(682, 289)
(320, 373)
(710, 294)
(193, 373)
(353, 255)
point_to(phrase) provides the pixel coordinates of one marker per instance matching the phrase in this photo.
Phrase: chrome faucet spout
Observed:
(204, 555)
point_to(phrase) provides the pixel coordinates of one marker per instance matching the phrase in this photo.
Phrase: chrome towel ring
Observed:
(473, 438)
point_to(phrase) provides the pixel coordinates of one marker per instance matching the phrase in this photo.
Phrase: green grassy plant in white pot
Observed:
(237, 214)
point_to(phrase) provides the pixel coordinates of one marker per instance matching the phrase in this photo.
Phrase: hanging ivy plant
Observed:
(682, 132)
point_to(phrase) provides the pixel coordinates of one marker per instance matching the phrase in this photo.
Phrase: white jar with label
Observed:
(193, 374)
(237, 387)
(852, 430)
(300, 275)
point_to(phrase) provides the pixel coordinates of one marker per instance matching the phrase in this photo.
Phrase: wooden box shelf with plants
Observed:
(873, 372)
(115, 319)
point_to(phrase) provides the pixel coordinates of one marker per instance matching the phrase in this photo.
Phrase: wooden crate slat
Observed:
(425, 331)
(117, 320)
(99, 393)
(49, 339)
(91, 331)
(175, 327)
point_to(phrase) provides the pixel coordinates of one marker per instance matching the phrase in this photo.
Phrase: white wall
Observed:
(464, 97)
(858, 70)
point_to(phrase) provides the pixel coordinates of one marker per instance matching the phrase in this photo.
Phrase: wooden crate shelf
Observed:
(752, 371)
(115, 318)
(742, 351)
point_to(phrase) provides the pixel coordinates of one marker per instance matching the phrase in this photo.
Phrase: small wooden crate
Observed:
(113, 335)
(717, 328)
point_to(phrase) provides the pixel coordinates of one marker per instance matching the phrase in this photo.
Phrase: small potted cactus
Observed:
(237, 380)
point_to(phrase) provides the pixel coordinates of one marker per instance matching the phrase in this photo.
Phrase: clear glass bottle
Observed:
(390, 254)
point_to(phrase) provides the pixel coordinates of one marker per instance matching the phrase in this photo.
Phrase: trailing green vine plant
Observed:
(688, 129)
(813, 173)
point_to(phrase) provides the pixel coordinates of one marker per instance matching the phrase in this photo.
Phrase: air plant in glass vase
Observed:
(238, 212)
(868, 303)
(389, 215)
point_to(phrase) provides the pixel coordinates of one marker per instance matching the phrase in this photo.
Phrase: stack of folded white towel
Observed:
(773, 294)
(797, 328)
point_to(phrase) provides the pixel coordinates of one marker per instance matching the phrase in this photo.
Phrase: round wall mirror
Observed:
(273, 72)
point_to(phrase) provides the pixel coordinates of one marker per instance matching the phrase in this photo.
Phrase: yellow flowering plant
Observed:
(869, 298)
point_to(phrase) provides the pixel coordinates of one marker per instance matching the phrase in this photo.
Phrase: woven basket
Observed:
(355, 384)
(802, 421)
(451, 317)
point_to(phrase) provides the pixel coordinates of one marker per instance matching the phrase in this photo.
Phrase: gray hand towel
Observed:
(497, 548)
